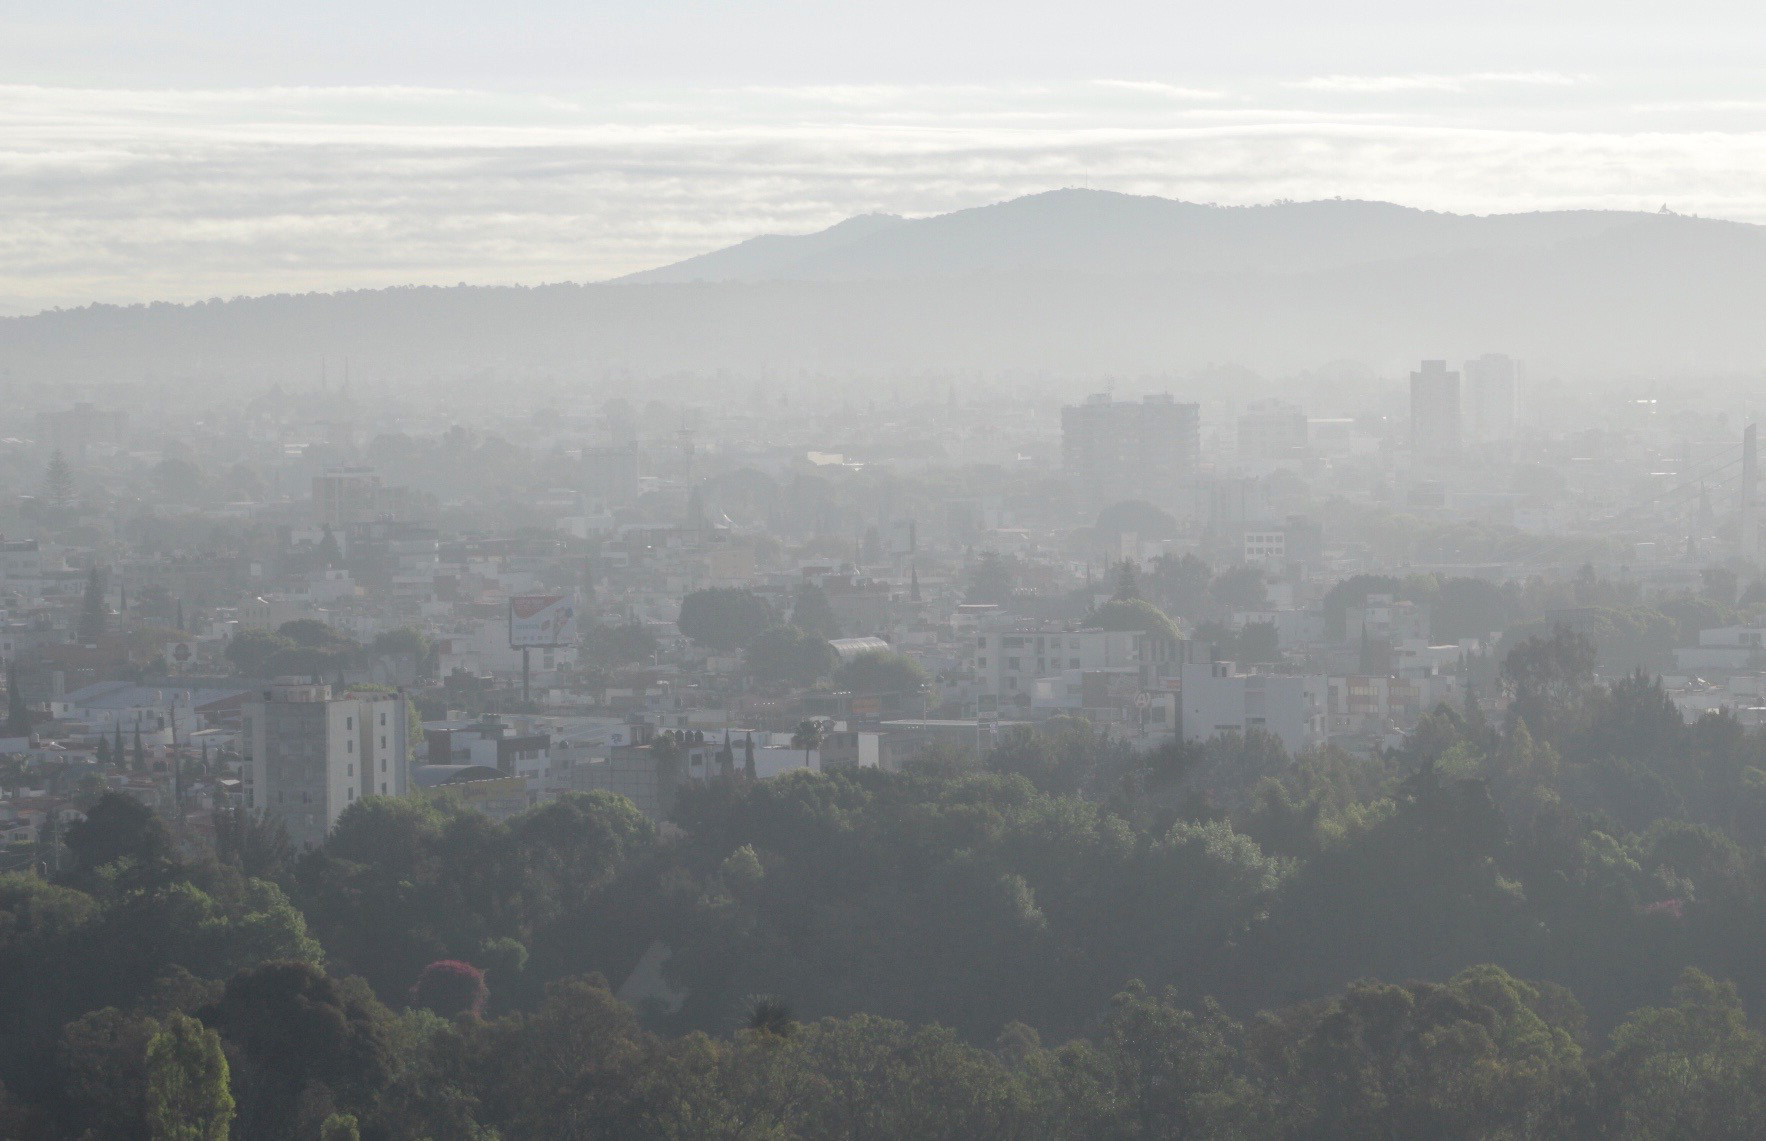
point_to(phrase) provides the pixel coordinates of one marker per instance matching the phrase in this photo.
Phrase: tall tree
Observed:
(1127, 588)
(58, 482)
(810, 611)
(807, 736)
(92, 609)
(990, 579)
(188, 1098)
(329, 552)
(140, 756)
(18, 715)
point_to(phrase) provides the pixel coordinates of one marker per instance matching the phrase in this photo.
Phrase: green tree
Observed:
(1132, 614)
(188, 1096)
(58, 483)
(991, 579)
(18, 714)
(724, 618)
(623, 645)
(810, 611)
(881, 671)
(93, 612)
(254, 651)
(297, 1028)
(787, 654)
(1240, 588)
(119, 830)
(807, 736)
(1128, 588)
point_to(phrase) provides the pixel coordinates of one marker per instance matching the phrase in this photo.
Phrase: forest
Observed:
(1546, 926)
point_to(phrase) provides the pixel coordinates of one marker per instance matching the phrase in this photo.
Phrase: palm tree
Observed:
(808, 736)
(770, 1014)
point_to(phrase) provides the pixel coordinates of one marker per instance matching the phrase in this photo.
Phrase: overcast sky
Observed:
(180, 149)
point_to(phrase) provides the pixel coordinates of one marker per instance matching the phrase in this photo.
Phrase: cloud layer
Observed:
(138, 195)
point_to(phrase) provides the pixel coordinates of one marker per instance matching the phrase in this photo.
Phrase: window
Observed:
(349, 722)
(982, 662)
(352, 794)
(382, 788)
(1012, 663)
(349, 746)
(383, 740)
(1073, 664)
(350, 772)
(383, 719)
(382, 764)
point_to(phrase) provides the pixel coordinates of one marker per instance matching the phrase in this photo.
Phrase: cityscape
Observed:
(798, 571)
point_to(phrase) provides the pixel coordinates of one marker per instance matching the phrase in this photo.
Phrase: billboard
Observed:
(542, 620)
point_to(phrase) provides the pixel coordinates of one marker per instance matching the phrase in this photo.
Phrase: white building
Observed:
(309, 755)
(1009, 661)
(1724, 649)
(1220, 698)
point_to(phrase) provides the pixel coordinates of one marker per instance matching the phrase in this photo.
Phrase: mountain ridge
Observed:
(1097, 231)
(1134, 286)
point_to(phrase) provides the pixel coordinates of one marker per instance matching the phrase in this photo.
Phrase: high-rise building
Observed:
(1490, 384)
(346, 495)
(1115, 450)
(1434, 411)
(1271, 430)
(309, 755)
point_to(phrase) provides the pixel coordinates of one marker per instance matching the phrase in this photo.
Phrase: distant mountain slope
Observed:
(771, 255)
(1069, 282)
(1100, 232)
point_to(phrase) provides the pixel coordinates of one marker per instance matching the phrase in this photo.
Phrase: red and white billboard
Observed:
(542, 620)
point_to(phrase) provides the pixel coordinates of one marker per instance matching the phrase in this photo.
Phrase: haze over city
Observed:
(958, 570)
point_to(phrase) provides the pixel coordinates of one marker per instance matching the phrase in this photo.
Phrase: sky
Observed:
(188, 149)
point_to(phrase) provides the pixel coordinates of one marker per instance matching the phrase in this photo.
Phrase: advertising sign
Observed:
(542, 620)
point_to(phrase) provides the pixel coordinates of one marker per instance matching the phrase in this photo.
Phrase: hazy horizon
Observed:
(209, 152)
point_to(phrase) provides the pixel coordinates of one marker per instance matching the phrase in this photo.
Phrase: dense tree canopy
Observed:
(1539, 928)
(724, 618)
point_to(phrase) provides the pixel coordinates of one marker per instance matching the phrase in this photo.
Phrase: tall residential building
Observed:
(347, 495)
(1490, 384)
(1115, 450)
(1434, 411)
(309, 755)
(1272, 430)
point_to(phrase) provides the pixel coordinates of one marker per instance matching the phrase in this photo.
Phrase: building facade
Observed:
(309, 755)
(1434, 411)
(1115, 450)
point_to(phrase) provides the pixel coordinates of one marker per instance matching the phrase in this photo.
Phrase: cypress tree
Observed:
(140, 757)
(18, 715)
(92, 613)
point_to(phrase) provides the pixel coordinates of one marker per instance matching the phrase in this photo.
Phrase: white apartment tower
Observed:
(309, 755)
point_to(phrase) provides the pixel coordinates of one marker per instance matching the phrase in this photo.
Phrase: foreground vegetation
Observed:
(1068, 939)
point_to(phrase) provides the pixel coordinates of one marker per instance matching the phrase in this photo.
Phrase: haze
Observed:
(193, 150)
(615, 571)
